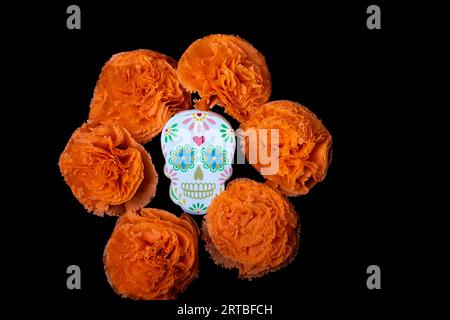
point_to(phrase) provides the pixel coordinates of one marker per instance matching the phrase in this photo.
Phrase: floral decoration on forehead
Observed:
(198, 119)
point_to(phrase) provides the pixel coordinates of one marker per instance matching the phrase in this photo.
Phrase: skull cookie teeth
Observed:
(197, 190)
(198, 147)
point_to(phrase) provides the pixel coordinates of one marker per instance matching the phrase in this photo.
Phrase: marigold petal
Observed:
(304, 145)
(107, 171)
(228, 71)
(140, 91)
(152, 254)
(251, 227)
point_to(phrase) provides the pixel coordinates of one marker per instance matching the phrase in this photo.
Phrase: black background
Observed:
(322, 56)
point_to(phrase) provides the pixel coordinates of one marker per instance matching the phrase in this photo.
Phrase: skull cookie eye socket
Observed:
(183, 158)
(214, 158)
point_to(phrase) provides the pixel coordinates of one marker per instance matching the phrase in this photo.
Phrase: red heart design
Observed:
(199, 140)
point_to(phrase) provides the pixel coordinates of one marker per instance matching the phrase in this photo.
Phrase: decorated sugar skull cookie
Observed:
(198, 148)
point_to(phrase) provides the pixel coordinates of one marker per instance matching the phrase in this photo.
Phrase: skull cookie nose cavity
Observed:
(198, 175)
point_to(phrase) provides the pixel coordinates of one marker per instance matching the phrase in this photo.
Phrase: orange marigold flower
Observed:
(251, 227)
(304, 145)
(152, 254)
(228, 71)
(107, 170)
(140, 91)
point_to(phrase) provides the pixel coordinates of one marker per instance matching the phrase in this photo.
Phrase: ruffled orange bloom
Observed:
(304, 145)
(107, 170)
(152, 254)
(251, 227)
(140, 91)
(228, 71)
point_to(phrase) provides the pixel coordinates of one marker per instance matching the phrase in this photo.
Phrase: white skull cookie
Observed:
(198, 148)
